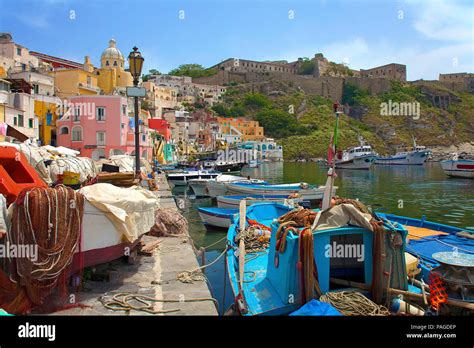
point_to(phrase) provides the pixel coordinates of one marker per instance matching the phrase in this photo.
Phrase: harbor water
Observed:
(410, 191)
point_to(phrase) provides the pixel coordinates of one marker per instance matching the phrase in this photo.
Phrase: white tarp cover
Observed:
(63, 159)
(131, 210)
(343, 215)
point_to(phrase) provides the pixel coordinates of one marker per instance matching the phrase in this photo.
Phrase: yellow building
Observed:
(71, 82)
(249, 129)
(112, 75)
(47, 113)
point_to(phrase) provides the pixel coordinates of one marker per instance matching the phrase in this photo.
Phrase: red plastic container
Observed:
(16, 173)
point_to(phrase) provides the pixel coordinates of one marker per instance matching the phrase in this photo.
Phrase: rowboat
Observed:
(462, 168)
(232, 202)
(217, 217)
(302, 190)
(218, 186)
(265, 282)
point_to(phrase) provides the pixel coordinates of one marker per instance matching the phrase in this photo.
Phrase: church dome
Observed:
(112, 52)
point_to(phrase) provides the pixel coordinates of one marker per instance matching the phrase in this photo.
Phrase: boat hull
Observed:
(233, 202)
(199, 187)
(311, 194)
(216, 217)
(362, 162)
(459, 168)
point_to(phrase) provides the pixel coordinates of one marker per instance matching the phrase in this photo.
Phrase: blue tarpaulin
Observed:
(426, 247)
(316, 308)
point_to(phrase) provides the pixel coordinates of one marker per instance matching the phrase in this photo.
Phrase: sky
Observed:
(430, 37)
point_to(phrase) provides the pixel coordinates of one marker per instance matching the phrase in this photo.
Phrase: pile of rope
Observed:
(254, 239)
(49, 220)
(169, 222)
(352, 303)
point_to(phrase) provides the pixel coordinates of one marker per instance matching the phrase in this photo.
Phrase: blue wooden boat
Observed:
(427, 238)
(217, 217)
(302, 190)
(273, 287)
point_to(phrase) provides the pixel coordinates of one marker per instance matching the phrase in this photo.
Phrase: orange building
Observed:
(249, 130)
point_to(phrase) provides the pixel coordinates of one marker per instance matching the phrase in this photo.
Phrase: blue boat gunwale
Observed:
(219, 212)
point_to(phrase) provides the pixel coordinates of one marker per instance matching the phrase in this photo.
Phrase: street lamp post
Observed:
(135, 61)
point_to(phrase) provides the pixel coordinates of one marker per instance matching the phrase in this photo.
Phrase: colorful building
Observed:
(247, 129)
(78, 81)
(111, 76)
(100, 127)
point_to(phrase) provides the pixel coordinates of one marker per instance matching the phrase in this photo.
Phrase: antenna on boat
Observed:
(332, 151)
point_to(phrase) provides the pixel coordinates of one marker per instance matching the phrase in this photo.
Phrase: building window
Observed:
(64, 130)
(30, 123)
(18, 51)
(77, 133)
(100, 138)
(23, 67)
(35, 89)
(100, 113)
(115, 63)
(89, 81)
(77, 113)
(124, 110)
(107, 63)
(21, 122)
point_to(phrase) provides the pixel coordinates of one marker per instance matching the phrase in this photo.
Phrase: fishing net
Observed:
(169, 222)
(48, 221)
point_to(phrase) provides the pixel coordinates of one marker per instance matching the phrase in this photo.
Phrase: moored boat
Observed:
(265, 281)
(416, 156)
(462, 168)
(359, 157)
(303, 190)
(217, 217)
(218, 186)
(181, 178)
(234, 201)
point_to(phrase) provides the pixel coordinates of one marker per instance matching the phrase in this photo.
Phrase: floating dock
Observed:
(154, 276)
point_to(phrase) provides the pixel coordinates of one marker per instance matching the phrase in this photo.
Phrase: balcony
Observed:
(88, 87)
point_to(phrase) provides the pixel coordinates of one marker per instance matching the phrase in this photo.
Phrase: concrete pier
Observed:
(154, 276)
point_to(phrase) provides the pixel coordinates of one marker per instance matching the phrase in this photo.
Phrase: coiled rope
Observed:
(352, 303)
(126, 301)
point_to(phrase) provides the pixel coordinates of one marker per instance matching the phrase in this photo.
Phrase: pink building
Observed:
(99, 126)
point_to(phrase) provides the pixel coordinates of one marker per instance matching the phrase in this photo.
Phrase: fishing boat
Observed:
(233, 202)
(303, 190)
(265, 281)
(216, 217)
(359, 157)
(204, 187)
(182, 177)
(462, 168)
(416, 156)
(218, 186)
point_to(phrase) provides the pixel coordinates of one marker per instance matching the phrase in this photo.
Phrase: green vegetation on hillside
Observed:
(192, 70)
(303, 123)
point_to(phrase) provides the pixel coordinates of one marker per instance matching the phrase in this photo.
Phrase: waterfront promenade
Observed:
(154, 276)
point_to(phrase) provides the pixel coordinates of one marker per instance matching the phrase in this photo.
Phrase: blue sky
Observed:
(428, 36)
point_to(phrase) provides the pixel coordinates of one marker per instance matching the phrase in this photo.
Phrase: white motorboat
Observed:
(233, 202)
(358, 157)
(462, 168)
(181, 178)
